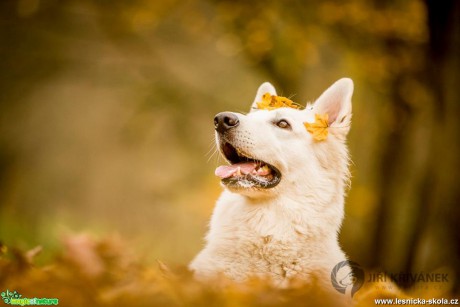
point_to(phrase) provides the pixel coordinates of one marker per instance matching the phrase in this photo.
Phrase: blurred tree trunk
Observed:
(438, 202)
(440, 194)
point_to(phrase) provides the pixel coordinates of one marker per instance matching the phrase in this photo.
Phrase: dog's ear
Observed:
(264, 88)
(336, 102)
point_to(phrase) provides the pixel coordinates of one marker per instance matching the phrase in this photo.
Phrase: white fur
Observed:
(290, 231)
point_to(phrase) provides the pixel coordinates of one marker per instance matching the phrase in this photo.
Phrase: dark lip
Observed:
(252, 182)
(231, 154)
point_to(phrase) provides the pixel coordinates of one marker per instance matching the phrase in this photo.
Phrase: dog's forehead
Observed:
(279, 113)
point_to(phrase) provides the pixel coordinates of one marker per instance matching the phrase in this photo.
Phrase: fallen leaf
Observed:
(3, 249)
(30, 255)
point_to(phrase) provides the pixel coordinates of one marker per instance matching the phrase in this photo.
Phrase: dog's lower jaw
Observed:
(254, 194)
(279, 240)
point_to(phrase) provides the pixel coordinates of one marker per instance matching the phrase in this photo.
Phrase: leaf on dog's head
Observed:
(319, 128)
(272, 102)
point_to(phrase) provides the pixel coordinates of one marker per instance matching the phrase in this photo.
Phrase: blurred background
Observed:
(106, 112)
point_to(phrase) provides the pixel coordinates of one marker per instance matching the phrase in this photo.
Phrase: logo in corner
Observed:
(14, 298)
(345, 275)
(7, 296)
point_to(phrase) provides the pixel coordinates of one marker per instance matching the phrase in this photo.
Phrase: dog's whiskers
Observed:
(211, 146)
(212, 151)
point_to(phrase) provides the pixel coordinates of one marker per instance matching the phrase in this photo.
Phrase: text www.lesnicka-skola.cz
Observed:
(416, 301)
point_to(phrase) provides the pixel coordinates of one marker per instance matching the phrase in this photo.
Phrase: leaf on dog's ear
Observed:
(272, 102)
(319, 128)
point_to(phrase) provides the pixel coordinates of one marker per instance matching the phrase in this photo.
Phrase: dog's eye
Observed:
(283, 124)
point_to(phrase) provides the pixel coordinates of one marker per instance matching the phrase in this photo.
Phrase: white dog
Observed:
(282, 207)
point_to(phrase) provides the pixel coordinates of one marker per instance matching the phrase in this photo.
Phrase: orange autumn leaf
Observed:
(319, 128)
(272, 102)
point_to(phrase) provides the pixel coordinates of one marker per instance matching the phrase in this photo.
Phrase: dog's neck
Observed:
(307, 215)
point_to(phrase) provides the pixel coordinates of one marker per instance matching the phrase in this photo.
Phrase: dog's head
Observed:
(271, 150)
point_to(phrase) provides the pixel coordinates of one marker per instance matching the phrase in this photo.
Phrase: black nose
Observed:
(225, 121)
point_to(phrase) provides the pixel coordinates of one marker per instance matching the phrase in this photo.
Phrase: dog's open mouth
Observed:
(246, 172)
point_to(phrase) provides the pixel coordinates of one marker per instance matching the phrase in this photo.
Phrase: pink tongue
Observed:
(225, 171)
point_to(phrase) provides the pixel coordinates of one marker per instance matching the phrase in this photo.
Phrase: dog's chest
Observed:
(260, 241)
(279, 257)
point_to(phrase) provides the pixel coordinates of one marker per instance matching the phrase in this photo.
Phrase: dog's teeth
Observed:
(238, 171)
(264, 170)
